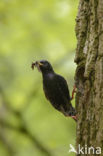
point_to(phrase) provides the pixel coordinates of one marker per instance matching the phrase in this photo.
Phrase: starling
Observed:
(56, 89)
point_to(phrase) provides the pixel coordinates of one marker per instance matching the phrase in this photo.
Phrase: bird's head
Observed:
(43, 66)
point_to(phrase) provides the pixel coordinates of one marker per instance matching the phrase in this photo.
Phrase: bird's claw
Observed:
(73, 92)
(74, 117)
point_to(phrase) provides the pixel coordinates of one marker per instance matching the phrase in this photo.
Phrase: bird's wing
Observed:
(63, 86)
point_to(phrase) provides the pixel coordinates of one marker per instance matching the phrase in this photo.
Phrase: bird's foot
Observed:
(73, 92)
(74, 117)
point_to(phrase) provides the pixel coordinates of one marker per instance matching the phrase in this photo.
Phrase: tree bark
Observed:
(89, 75)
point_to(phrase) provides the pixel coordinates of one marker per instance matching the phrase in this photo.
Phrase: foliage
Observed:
(29, 31)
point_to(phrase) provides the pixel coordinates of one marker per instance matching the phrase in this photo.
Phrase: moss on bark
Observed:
(89, 73)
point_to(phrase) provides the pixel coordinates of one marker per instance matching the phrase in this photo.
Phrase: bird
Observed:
(55, 89)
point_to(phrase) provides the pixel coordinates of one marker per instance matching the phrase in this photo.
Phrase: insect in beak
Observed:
(36, 64)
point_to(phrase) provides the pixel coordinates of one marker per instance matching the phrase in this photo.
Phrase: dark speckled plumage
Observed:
(55, 88)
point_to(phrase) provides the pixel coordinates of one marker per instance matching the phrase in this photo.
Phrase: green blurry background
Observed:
(31, 30)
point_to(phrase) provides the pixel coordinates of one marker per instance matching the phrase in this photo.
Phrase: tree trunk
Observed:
(89, 76)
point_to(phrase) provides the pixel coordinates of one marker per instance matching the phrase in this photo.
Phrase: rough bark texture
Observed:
(89, 73)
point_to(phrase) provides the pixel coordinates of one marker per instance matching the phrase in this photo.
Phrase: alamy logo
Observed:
(85, 149)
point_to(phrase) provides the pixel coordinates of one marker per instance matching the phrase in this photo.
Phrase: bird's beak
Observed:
(36, 64)
(40, 64)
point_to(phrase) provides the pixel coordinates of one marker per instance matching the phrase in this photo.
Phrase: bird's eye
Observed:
(46, 64)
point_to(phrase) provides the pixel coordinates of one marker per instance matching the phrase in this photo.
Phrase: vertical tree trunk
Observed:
(89, 75)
